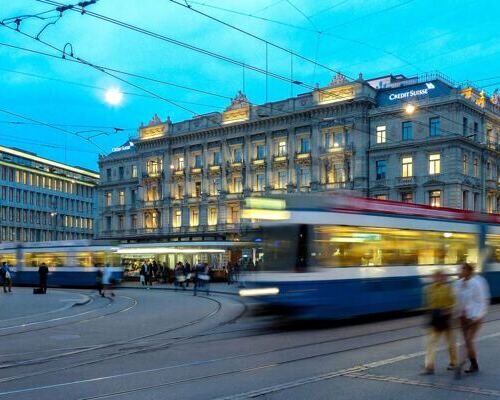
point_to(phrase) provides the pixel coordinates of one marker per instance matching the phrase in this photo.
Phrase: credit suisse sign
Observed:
(387, 97)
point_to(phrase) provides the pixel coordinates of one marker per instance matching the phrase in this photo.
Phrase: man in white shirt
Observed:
(473, 298)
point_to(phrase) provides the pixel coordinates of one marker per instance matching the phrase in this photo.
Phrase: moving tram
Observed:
(70, 263)
(342, 256)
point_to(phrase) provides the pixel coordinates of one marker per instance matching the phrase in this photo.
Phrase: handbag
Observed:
(440, 320)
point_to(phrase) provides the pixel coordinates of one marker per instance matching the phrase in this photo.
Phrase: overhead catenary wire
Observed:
(143, 77)
(29, 74)
(21, 116)
(314, 31)
(185, 45)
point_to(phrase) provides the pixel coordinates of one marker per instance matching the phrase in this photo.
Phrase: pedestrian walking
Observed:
(180, 278)
(6, 277)
(107, 280)
(43, 273)
(440, 301)
(473, 298)
(98, 281)
(142, 273)
(149, 274)
(187, 273)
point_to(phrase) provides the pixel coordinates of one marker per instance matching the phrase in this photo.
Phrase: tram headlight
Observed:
(259, 292)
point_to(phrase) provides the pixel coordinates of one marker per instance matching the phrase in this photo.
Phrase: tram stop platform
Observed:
(21, 303)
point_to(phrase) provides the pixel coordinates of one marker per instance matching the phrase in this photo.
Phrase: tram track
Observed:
(199, 378)
(118, 354)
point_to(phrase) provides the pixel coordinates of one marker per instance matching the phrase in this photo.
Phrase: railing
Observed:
(406, 180)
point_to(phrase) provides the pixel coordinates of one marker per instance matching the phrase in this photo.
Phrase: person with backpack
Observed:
(6, 277)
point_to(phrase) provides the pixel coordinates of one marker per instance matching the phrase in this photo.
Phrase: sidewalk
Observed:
(23, 303)
(215, 287)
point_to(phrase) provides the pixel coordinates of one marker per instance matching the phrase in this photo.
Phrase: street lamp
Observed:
(410, 109)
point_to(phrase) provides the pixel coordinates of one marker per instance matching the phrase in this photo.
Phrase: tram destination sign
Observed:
(435, 88)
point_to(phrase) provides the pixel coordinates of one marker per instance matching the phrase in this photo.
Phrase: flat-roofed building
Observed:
(43, 200)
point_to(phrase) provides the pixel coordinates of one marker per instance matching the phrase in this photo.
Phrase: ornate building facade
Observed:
(421, 139)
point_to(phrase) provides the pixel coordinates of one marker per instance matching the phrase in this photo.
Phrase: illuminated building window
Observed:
(237, 187)
(435, 198)
(380, 197)
(407, 129)
(434, 126)
(180, 163)
(434, 164)
(108, 199)
(121, 197)
(407, 167)
(476, 167)
(282, 179)
(194, 216)
(134, 171)
(154, 167)
(179, 192)
(282, 148)
(233, 216)
(381, 134)
(212, 216)
(177, 218)
(133, 221)
(151, 220)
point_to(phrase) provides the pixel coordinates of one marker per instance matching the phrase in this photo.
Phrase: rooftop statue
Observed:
(239, 101)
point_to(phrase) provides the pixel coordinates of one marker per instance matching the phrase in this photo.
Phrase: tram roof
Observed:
(351, 203)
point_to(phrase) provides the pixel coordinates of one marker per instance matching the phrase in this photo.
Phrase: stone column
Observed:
(315, 152)
(292, 178)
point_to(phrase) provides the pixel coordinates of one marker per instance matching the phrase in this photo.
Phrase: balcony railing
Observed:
(406, 180)
(152, 174)
(196, 170)
(214, 168)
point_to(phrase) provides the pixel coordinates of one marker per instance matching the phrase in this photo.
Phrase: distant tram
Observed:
(342, 256)
(71, 263)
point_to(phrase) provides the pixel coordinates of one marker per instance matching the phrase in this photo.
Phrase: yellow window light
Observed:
(265, 203)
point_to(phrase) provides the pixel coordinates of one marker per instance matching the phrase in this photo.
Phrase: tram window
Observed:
(280, 248)
(100, 259)
(82, 260)
(347, 246)
(50, 259)
(10, 259)
(493, 242)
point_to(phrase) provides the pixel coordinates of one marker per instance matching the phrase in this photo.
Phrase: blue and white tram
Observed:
(338, 256)
(70, 263)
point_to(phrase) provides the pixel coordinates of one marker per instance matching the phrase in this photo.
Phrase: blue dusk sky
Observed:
(459, 38)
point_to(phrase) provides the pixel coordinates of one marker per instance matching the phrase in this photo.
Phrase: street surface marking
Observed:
(341, 372)
(433, 385)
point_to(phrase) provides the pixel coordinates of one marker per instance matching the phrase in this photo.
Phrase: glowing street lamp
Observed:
(113, 96)
(410, 109)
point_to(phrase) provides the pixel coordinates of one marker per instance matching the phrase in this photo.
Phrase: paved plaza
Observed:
(163, 344)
